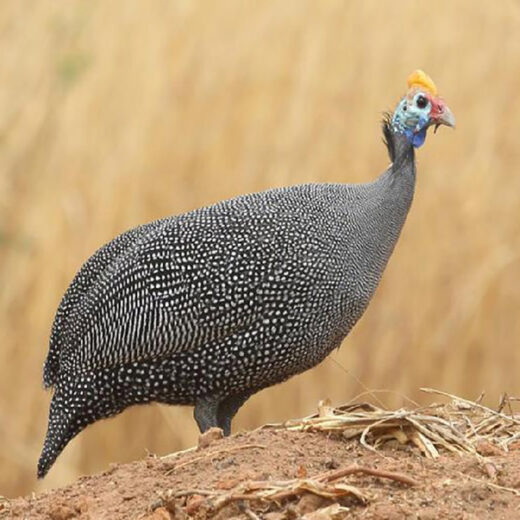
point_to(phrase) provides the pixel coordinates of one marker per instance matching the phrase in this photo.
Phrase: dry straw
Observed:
(458, 427)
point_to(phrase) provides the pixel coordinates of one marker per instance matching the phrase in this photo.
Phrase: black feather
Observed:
(388, 135)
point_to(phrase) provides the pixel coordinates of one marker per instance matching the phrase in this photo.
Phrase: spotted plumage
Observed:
(209, 307)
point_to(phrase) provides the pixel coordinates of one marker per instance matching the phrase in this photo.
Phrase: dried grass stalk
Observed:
(457, 427)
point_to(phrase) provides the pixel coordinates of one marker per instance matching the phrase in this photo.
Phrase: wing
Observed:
(194, 280)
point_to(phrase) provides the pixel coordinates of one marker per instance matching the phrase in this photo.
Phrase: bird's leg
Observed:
(205, 412)
(228, 408)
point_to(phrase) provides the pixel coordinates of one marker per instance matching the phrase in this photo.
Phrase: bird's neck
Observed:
(403, 160)
(400, 150)
(397, 183)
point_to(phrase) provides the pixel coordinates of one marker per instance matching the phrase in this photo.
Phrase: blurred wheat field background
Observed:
(113, 114)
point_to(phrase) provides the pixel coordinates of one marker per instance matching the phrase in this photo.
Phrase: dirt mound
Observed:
(455, 461)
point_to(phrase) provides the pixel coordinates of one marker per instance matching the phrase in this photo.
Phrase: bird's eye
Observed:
(421, 102)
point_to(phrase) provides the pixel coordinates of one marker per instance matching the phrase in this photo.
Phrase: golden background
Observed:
(113, 114)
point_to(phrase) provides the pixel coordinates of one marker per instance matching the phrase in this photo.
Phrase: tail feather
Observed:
(63, 426)
(78, 400)
(76, 403)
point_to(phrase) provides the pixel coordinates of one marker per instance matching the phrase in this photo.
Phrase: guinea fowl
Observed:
(211, 306)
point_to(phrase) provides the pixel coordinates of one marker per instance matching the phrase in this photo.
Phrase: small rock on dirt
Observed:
(159, 514)
(62, 512)
(309, 503)
(209, 437)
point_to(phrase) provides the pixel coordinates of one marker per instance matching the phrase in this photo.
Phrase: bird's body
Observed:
(209, 307)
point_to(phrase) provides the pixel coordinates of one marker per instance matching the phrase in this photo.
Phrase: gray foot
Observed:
(205, 413)
(227, 410)
(213, 411)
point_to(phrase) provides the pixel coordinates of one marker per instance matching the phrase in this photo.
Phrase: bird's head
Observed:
(419, 109)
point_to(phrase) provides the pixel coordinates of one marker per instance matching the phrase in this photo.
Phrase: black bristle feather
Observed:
(388, 135)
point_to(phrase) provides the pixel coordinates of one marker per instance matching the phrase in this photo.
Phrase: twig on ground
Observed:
(189, 492)
(177, 454)
(355, 468)
(214, 453)
(247, 511)
(471, 404)
(324, 485)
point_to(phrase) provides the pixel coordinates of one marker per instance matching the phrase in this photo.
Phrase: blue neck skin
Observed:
(416, 135)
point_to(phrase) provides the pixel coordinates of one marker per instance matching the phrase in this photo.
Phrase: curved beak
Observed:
(442, 115)
(446, 118)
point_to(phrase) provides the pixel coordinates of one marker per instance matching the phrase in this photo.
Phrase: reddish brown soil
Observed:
(452, 486)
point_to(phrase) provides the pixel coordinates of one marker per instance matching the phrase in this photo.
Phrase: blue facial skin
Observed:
(417, 138)
(412, 120)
